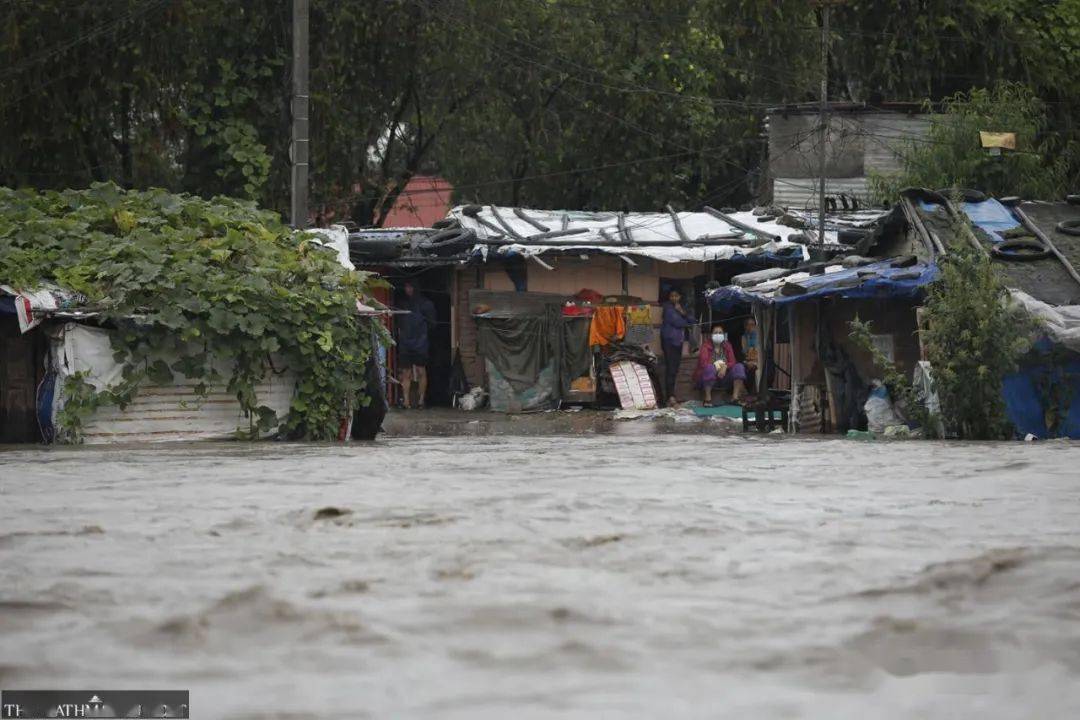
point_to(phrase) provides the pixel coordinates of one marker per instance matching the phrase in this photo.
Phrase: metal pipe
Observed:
(505, 225)
(737, 238)
(767, 237)
(524, 216)
(541, 263)
(549, 241)
(678, 224)
(556, 233)
(624, 231)
(1026, 221)
(473, 211)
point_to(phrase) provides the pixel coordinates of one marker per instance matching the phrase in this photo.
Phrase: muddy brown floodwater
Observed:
(615, 575)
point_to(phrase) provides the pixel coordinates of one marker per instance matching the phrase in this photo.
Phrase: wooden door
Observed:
(18, 384)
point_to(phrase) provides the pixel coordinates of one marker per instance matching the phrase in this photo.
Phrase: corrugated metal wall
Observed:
(803, 192)
(174, 412)
(887, 133)
(858, 145)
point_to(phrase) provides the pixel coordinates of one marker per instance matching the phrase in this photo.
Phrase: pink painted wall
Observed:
(425, 200)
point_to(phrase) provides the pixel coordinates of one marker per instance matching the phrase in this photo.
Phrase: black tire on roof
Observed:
(1023, 249)
(1069, 227)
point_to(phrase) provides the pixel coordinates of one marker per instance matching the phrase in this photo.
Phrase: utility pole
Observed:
(823, 118)
(299, 106)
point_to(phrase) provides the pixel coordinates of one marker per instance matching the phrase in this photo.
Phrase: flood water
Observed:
(615, 576)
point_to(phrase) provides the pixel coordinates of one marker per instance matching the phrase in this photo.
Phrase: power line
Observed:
(974, 39)
(76, 68)
(800, 135)
(103, 28)
(630, 87)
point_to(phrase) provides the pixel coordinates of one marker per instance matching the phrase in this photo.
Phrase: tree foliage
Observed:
(573, 103)
(952, 156)
(201, 283)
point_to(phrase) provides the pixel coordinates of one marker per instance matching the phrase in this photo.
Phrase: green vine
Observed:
(191, 286)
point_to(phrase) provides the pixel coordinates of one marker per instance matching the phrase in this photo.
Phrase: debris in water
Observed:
(330, 512)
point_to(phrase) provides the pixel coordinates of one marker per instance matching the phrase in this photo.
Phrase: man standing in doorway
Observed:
(412, 341)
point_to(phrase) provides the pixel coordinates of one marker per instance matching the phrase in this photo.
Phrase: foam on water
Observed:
(622, 576)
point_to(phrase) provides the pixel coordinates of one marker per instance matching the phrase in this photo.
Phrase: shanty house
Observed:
(1035, 248)
(483, 263)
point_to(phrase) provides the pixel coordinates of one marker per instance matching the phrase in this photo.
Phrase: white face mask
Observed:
(718, 338)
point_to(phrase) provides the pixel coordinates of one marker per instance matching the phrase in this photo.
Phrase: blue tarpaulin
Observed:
(1043, 398)
(988, 215)
(878, 281)
(993, 217)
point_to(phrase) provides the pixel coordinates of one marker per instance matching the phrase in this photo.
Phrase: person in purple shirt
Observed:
(676, 319)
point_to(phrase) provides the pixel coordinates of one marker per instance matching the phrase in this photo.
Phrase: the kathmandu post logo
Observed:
(33, 704)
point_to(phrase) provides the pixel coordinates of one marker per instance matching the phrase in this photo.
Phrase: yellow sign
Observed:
(1001, 140)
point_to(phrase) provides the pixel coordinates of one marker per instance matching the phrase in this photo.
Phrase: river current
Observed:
(635, 576)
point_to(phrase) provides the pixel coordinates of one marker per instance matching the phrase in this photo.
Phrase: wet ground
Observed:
(618, 573)
(573, 422)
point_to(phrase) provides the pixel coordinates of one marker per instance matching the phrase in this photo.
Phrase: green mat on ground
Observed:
(728, 411)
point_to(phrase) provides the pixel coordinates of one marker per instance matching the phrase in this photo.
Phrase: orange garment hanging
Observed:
(608, 324)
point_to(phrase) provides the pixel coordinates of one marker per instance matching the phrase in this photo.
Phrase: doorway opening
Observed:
(435, 285)
(22, 368)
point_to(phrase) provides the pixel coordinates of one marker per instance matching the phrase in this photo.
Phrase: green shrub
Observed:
(197, 280)
(974, 337)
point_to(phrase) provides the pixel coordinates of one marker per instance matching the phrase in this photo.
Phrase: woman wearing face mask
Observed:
(717, 367)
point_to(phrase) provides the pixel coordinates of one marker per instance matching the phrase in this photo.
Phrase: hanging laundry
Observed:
(608, 324)
(639, 315)
(639, 329)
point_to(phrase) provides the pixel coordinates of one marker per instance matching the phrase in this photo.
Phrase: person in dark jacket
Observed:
(412, 342)
(676, 319)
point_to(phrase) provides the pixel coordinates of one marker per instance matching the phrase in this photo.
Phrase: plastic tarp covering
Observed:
(576, 358)
(518, 347)
(1044, 399)
(1062, 323)
(877, 281)
(88, 350)
(993, 217)
(922, 381)
(335, 237)
(653, 235)
(33, 306)
(504, 396)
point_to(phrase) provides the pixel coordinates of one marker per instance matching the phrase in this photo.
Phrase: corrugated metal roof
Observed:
(666, 237)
